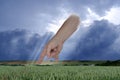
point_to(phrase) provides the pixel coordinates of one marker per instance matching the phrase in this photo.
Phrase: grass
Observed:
(59, 73)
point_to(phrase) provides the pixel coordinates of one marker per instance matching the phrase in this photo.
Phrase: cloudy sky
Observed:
(26, 25)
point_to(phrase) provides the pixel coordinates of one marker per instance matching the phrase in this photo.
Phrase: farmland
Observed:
(33, 72)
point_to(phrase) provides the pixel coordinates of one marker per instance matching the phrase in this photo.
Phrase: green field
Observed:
(31, 72)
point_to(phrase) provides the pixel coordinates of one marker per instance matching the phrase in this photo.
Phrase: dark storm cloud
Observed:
(99, 43)
(19, 44)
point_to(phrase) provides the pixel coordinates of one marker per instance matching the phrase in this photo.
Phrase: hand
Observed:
(51, 50)
(54, 46)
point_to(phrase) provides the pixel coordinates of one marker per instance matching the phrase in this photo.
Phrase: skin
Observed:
(54, 46)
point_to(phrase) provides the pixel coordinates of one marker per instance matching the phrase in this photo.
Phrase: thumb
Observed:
(56, 58)
(48, 51)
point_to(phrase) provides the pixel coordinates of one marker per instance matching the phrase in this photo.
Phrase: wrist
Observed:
(58, 39)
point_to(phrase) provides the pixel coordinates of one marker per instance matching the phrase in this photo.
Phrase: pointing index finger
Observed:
(42, 55)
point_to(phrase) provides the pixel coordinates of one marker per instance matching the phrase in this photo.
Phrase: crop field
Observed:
(32, 72)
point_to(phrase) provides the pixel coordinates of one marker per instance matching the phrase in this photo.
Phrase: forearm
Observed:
(68, 27)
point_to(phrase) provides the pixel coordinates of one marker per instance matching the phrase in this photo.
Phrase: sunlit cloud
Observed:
(56, 23)
(113, 15)
(90, 17)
